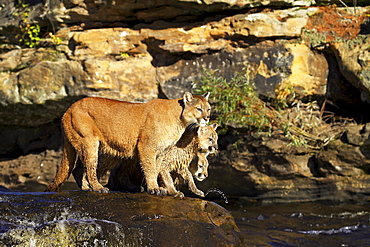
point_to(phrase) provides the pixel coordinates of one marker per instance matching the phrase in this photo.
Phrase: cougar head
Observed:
(207, 138)
(199, 167)
(197, 110)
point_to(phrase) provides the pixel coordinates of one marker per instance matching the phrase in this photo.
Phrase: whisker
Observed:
(193, 126)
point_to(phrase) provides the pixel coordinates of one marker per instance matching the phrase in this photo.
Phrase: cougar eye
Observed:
(210, 139)
(199, 109)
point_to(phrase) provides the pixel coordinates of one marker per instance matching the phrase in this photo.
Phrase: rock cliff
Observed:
(141, 50)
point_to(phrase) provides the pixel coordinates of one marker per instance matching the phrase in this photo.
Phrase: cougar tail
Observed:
(65, 168)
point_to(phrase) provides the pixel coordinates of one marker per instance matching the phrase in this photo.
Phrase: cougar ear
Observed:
(188, 97)
(200, 131)
(206, 95)
(214, 126)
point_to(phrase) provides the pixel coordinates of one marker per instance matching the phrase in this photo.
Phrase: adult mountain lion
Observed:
(116, 128)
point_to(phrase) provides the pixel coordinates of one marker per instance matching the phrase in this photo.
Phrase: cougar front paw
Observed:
(179, 194)
(103, 190)
(99, 189)
(199, 193)
(158, 191)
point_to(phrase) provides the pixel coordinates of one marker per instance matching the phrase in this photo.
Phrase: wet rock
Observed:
(114, 219)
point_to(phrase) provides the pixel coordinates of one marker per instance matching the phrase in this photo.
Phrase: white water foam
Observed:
(217, 191)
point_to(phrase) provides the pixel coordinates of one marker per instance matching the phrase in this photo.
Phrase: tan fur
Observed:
(175, 159)
(179, 157)
(199, 166)
(138, 131)
(197, 169)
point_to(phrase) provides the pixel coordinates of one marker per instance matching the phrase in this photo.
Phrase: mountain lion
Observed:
(140, 131)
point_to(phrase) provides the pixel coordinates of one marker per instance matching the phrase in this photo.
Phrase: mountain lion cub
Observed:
(177, 159)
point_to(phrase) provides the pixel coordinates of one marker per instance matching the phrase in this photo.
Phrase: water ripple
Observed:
(345, 229)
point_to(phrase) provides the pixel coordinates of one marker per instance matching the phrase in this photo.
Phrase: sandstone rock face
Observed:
(130, 63)
(309, 72)
(128, 11)
(141, 50)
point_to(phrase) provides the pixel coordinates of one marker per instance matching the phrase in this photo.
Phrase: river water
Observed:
(303, 224)
(294, 224)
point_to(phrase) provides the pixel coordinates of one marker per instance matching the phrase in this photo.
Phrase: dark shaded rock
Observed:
(4, 189)
(353, 63)
(34, 115)
(365, 27)
(356, 134)
(23, 140)
(114, 219)
(270, 170)
(272, 56)
(343, 99)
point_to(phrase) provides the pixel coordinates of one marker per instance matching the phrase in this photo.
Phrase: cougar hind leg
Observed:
(104, 164)
(89, 156)
(65, 168)
(79, 175)
(86, 137)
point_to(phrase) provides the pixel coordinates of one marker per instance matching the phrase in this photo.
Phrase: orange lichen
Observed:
(333, 22)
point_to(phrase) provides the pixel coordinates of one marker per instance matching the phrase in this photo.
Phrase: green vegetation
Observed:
(235, 102)
(238, 108)
(54, 39)
(30, 33)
